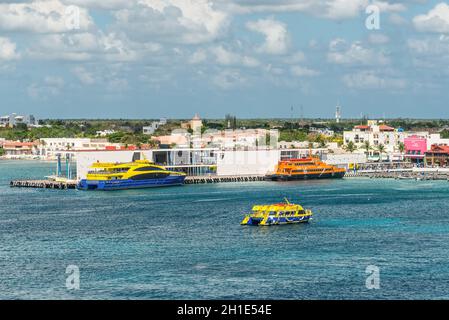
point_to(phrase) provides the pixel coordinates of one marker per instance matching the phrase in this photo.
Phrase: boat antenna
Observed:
(286, 200)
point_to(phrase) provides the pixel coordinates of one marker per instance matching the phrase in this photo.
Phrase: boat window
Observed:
(148, 168)
(152, 175)
(108, 171)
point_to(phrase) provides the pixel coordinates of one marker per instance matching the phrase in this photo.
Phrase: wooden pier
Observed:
(50, 184)
(398, 175)
(219, 179)
(401, 175)
(43, 184)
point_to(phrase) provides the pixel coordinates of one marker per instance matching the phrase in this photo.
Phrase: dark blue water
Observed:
(186, 242)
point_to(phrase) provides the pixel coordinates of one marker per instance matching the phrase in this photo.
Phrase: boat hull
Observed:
(277, 221)
(278, 177)
(107, 185)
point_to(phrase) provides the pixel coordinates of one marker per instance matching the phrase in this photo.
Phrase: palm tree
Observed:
(367, 147)
(153, 143)
(381, 149)
(401, 148)
(351, 147)
(323, 144)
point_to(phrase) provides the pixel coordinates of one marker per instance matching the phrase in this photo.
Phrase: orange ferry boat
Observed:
(305, 168)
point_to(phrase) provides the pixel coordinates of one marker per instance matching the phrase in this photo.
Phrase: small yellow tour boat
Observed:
(275, 214)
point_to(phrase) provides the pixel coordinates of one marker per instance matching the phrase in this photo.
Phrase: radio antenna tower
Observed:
(338, 113)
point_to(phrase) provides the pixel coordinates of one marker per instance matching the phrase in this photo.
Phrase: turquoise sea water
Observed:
(186, 242)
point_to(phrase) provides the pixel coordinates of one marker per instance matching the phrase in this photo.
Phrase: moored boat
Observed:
(276, 214)
(130, 175)
(305, 168)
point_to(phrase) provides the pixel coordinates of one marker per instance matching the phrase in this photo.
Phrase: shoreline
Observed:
(26, 159)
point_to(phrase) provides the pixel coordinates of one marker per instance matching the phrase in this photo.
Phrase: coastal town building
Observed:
(386, 143)
(248, 139)
(154, 126)
(323, 131)
(105, 133)
(375, 134)
(344, 159)
(15, 119)
(194, 125)
(178, 138)
(242, 139)
(438, 156)
(307, 144)
(415, 148)
(51, 147)
(418, 143)
(14, 149)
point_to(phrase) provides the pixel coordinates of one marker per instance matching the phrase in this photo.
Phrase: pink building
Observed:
(415, 148)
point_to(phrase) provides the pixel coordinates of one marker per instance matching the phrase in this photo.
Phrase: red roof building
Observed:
(362, 127)
(438, 155)
(386, 128)
(18, 148)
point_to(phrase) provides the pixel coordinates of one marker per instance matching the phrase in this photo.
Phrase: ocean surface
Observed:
(186, 242)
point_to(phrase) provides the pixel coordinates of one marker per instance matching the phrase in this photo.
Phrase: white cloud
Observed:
(54, 81)
(228, 58)
(340, 52)
(8, 49)
(397, 19)
(103, 4)
(83, 75)
(304, 72)
(175, 21)
(378, 38)
(87, 46)
(228, 79)
(341, 9)
(277, 39)
(50, 86)
(367, 80)
(41, 16)
(198, 56)
(430, 52)
(436, 20)
(385, 6)
(330, 9)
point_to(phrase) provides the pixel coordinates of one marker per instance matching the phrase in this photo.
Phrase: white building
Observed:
(344, 160)
(333, 146)
(105, 133)
(433, 139)
(50, 147)
(14, 119)
(324, 131)
(248, 139)
(376, 134)
(154, 126)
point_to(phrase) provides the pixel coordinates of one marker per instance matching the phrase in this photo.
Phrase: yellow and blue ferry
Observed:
(276, 214)
(130, 175)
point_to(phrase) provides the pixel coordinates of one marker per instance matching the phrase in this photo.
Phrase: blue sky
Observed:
(252, 58)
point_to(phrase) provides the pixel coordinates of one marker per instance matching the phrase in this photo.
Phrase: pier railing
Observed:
(219, 179)
(43, 184)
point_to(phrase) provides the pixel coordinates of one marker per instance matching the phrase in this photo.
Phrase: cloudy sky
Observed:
(252, 58)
